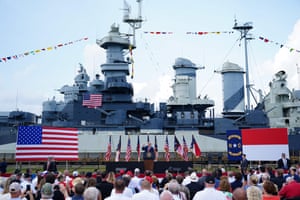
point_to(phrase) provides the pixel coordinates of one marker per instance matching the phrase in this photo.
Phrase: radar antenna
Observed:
(244, 29)
(135, 23)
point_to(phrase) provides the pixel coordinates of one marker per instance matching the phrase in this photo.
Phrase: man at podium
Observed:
(148, 156)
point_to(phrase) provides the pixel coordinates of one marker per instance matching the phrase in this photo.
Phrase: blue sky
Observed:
(29, 25)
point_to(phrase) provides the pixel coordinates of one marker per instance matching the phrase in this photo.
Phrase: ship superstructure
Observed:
(185, 113)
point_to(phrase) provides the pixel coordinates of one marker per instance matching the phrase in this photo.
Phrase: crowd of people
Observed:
(259, 183)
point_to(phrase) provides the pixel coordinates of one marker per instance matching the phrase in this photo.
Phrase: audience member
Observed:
(270, 191)
(194, 186)
(145, 193)
(239, 194)
(224, 187)
(290, 189)
(119, 188)
(209, 191)
(92, 193)
(254, 193)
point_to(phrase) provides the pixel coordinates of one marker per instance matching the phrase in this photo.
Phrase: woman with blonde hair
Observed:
(111, 177)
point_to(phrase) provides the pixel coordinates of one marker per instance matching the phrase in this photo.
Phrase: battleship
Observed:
(184, 114)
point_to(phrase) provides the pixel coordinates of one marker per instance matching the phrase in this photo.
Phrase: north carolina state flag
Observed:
(265, 144)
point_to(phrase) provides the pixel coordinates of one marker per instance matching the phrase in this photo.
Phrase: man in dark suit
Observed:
(148, 156)
(283, 162)
(244, 166)
(149, 153)
(50, 165)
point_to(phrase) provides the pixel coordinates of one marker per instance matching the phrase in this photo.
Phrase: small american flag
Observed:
(138, 148)
(167, 149)
(185, 150)
(155, 149)
(92, 100)
(108, 152)
(118, 151)
(38, 143)
(128, 150)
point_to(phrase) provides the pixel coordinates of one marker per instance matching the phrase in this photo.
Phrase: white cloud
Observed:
(93, 57)
(287, 60)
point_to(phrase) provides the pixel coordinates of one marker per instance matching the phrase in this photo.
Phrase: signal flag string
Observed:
(203, 33)
(33, 52)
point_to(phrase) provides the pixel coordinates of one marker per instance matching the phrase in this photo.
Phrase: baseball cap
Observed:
(210, 180)
(14, 187)
(194, 177)
(75, 173)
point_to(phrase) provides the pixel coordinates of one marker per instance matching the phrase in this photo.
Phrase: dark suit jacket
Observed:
(280, 163)
(52, 167)
(148, 153)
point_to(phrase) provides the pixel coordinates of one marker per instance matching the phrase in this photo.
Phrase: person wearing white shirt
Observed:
(135, 182)
(118, 191)
(209, 191)
(145, 193)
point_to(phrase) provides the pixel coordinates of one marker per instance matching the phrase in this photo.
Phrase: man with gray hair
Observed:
(92, 193)
(174, 187)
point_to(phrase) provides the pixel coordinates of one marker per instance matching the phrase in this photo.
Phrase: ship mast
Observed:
(135, 23)
(244, 29)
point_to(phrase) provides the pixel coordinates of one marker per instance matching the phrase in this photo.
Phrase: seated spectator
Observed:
(146, 192)
(119, 188)
(291, 189)
(92, 193)
(239, 194)
(254, 193)
(270, 191)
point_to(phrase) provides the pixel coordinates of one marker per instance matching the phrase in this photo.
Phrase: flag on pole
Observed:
(92, 100)
(195, 148)
(234, 145)
(138, 148)
(265, 143)
(167, 150)
(185, 152)
(37, 143)
(155, 149)
(108, 152)
(118, 151)
(128, 150)
(177, 147)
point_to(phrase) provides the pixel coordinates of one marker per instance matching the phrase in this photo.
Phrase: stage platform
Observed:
(159, 166)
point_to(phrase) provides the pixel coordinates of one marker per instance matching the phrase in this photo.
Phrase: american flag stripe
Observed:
(128, 151)
(167, 150)
(38, 143)
(108, 152)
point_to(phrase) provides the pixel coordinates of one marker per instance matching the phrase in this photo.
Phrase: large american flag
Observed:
(108, 152)
(92, 100)
(38, 143)
(167, 149)
(128, 150)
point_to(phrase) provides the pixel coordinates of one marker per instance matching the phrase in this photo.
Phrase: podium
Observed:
(148, 165)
